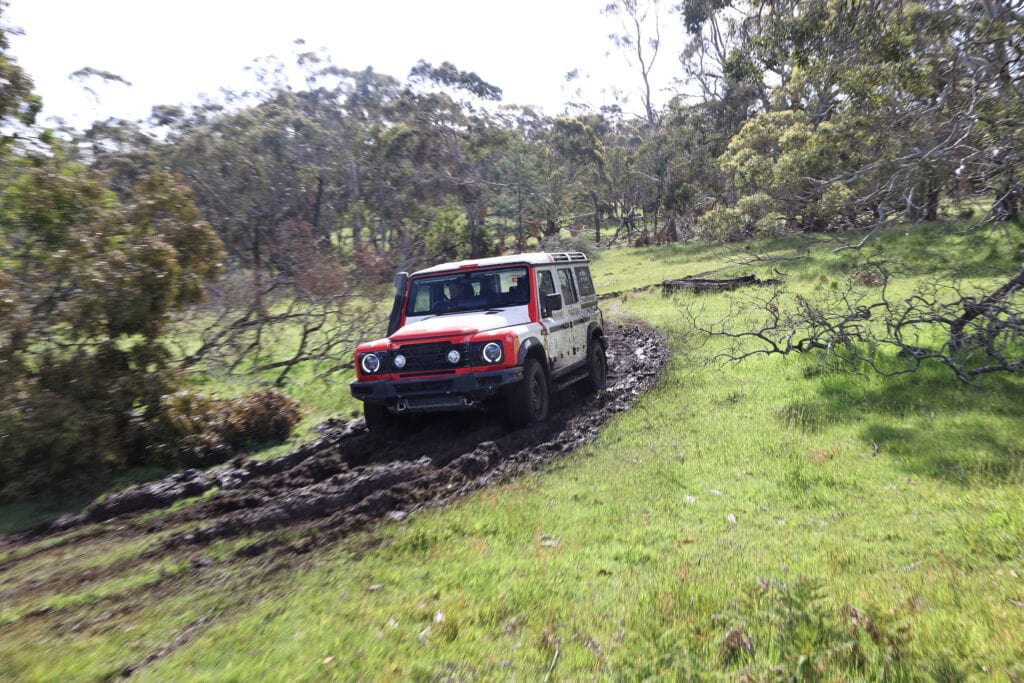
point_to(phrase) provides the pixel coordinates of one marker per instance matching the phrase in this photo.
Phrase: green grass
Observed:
(775, 518)
(624, 559)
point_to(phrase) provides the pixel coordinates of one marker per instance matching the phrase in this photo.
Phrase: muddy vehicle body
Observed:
(498, 333)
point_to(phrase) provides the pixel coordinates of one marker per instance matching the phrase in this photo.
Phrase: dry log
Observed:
(700, 285)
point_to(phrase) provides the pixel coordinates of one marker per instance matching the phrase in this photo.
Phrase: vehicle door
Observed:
(588, 299)
(574, 312)
(557, 323)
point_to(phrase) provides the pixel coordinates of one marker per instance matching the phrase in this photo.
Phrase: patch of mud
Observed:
(348, 478)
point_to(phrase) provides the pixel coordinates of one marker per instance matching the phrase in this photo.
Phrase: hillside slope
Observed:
(769, 519)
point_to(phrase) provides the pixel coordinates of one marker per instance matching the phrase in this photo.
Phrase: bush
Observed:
(56, 442)
(761, 212)
(191, 429)
(722, 224)
(260, 416)
(89, 285)
(835, 209)
(43, 442)
(71, 421)
(755, 215)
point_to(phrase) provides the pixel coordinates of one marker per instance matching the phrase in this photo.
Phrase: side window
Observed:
(515, 285)
(586, 284)
(545, 283)
(568, 287)
(422, 301)
(545, 286)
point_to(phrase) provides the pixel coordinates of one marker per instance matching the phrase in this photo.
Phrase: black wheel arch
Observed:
(533, 347)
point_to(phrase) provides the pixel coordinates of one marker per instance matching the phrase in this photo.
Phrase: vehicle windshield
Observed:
(477, 290)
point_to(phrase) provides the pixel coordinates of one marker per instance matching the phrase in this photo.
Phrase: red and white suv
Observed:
(500, 332)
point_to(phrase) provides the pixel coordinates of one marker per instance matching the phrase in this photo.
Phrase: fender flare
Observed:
(528, 345)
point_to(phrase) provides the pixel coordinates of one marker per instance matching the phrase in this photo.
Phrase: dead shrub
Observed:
(192, 429)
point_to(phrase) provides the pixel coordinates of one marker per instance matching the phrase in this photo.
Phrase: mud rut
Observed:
(348, 478)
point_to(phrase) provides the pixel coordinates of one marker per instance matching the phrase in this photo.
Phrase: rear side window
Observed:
(584, 281)
(567, 285)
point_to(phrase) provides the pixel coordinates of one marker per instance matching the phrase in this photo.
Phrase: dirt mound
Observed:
(348, 477)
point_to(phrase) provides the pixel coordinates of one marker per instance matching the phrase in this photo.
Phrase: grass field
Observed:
(774, 519)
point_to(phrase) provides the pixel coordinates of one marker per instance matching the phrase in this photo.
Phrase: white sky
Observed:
(172, 52)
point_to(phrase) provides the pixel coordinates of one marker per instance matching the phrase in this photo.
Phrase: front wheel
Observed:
(378, 419)
(529, 401)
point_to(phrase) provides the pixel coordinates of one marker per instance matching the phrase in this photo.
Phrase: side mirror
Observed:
(552, 302)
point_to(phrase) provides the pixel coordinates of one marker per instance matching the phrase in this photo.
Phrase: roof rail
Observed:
(568, 256)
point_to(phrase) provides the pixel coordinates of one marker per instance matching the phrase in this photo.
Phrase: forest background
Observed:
(254, 237)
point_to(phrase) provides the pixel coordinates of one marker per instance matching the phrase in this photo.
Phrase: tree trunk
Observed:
(357, 230)
(1007, 204)
(353, 203)
(257, 271)
(324, 238)
(931, 211)
(551, 227)
(474, 231)
(520, 237)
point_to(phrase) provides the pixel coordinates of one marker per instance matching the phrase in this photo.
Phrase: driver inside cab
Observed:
(458, 292)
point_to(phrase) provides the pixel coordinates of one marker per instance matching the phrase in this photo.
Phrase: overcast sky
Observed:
(172, 52)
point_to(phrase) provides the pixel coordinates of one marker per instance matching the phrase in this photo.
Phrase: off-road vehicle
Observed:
(496, 333)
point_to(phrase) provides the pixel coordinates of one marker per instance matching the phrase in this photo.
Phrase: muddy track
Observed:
(348, 477)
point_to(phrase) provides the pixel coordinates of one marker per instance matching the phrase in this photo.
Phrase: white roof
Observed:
(534, 258)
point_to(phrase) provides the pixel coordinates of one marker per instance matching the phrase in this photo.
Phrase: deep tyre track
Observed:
(348, 478)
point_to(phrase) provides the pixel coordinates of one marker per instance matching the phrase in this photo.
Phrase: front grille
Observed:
(431, 357)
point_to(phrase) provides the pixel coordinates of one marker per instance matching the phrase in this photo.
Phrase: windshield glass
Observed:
(477, 290)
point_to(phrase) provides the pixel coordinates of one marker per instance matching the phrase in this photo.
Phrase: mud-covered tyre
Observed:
(597, 366)
(378, 419)
(530, 400)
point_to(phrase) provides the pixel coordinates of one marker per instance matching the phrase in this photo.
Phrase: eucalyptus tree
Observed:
(639, 39)
(519, 172)
(882, 109)
(692, 136)
(573, 161)
(322, 190)
(283, 175)
(874, 109)
(465, 143)
(622, 188)
(89, 285)
(19, 105)
(95, 260)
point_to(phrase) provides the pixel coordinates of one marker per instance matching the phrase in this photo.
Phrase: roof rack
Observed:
(568, 256)
(537, 258)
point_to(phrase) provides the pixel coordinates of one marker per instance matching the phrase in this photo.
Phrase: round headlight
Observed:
(492, 352)
(399, 361)
(370, 363)
(454, 356)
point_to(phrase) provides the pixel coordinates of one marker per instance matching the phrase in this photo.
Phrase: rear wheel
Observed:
(597, 365)
(529, 401)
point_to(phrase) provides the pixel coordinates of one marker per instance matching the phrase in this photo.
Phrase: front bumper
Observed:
(450, 392)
